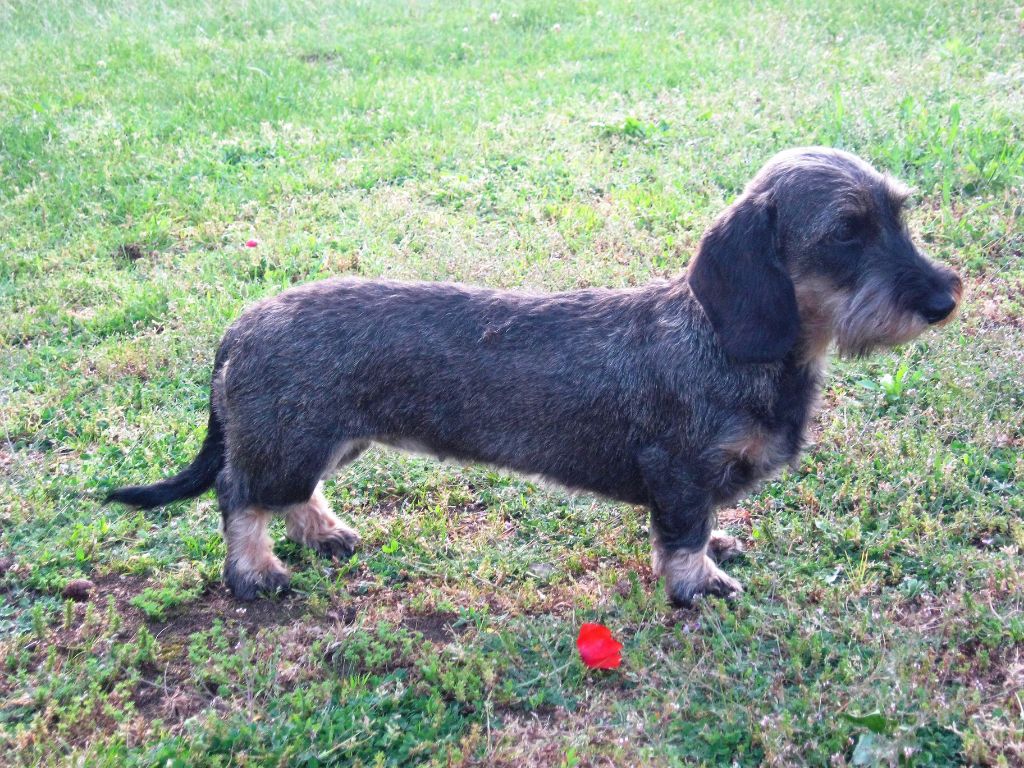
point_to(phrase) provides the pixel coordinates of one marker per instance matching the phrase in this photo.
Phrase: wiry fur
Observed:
(679, 395)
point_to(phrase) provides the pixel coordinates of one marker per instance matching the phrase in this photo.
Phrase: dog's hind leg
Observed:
(313, 524)
(251, 566)
(722, 547)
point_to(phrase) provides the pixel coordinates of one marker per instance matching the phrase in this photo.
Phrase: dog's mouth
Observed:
(895, 333)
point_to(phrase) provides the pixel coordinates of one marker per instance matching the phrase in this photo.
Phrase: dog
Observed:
(679, 395)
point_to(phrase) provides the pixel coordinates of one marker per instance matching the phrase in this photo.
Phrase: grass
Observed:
(519, 143)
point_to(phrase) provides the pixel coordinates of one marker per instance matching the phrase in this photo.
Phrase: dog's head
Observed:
(816, 249)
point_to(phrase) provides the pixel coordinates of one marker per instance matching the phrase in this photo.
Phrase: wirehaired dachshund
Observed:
(678, 395)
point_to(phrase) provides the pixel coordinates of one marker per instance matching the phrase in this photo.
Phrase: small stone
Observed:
(541, 571)
(79, 590)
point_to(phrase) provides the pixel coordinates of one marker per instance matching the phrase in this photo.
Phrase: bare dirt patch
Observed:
(217, 603)
(435, 627)
(167, 690)
(198, 615)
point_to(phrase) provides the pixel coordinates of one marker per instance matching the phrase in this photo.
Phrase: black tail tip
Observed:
(139, 496)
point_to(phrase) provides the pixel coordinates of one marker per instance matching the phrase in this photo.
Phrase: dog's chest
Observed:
(752, 454)
(758, 444)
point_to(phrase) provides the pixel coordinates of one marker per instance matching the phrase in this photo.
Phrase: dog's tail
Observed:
(191, 481)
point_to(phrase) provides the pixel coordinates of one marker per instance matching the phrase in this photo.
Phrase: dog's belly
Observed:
(616, 477)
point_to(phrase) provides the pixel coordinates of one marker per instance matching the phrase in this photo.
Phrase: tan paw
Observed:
(339, 543)
(722, 547)
(314, 525)
(689, 575)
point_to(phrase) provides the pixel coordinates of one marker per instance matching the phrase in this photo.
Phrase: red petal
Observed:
(609, 662)
(251, 243)
(597, 647)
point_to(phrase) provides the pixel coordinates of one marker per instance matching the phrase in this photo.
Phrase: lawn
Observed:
(516, 144)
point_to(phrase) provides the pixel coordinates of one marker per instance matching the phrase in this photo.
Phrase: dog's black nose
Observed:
(938, 306)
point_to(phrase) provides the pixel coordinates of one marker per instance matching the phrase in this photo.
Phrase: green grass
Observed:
(512, 144)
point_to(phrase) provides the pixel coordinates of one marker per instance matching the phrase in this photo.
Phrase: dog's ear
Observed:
(740, 281)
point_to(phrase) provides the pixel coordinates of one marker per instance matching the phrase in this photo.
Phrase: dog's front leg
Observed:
(682, 516)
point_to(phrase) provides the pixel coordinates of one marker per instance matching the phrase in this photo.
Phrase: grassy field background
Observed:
(534, 144)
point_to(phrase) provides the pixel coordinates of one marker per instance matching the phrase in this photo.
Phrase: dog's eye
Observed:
(848, 233)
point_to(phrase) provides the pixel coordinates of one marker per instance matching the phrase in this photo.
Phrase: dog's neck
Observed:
(818, 304)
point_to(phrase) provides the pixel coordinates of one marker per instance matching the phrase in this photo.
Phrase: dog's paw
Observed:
(722, 547)
(248, 585)
(340, 544)
(689, 576)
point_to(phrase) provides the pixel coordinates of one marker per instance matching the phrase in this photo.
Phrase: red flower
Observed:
(597, 647)
(251, 243)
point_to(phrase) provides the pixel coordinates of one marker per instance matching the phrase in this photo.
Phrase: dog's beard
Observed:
(870, 319)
